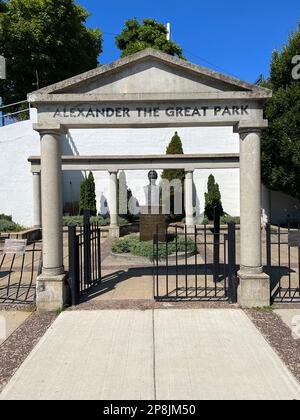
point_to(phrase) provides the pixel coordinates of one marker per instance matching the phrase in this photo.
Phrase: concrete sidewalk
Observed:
(160, 354)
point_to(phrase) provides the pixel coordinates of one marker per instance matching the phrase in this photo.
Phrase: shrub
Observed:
(133, 245)
(102, 221)
(175, 148)
(229, 219)
(88, 195)
(9, 226)
(5, 217)
(212, 198)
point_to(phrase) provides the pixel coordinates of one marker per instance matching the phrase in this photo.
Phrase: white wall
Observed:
(17, 143)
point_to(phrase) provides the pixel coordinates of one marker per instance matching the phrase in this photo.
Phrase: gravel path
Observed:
(17, 347)
(279, 336)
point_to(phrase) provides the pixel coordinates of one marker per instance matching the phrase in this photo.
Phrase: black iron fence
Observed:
(84, 258)
(196, 265)
(283, 262)
(18, 272)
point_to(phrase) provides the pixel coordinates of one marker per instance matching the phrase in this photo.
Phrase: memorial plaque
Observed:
(15, 246)
(294, 239)
(151, 224)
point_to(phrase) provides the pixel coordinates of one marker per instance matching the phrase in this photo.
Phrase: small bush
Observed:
(9, 226)
(102, 221)
(230, 219)
(5, 217)
(134, 246)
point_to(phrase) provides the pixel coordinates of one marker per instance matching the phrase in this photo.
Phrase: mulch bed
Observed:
(279, 336)
(17, 347)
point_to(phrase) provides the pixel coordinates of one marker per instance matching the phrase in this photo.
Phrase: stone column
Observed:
(254, 290)
(114, 229)
(51, 285)
(37, 210)
(188, 193)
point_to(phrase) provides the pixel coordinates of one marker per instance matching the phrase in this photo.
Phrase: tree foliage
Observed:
(175, 148)
(150, 34)
(88, 195)
(47, 38)
(281, 142)
(213, 198)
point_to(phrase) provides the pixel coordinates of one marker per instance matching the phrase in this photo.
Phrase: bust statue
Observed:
(152, 193)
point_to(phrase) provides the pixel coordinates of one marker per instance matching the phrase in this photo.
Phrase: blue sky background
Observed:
(236, 37)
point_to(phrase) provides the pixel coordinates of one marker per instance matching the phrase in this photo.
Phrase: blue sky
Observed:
(235, 37)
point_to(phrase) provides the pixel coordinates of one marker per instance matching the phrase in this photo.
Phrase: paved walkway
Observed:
(160, 354)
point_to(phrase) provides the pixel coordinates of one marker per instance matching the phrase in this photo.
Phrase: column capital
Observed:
(189, 172)
(50, 128)
(251, 126)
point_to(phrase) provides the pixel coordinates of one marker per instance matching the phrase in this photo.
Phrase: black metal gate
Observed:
(283, 262)
(84, 258)
(196, 265)
(18, 272)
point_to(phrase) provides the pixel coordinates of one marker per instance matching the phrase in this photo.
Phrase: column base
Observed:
(254, 290)
(52, 293)
(114, 232)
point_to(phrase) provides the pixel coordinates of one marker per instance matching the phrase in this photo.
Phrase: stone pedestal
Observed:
(114, 232)
(152, 221)
(254, 290)
(52, 293)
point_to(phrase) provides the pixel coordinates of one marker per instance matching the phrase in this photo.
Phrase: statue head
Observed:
(152, 176)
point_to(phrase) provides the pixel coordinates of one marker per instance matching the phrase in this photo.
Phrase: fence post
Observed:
(74, 264)
(216, 264)
(87, 246)
(232, 281)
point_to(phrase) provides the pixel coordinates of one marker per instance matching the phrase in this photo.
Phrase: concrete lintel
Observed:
(51, 127)
(254, 290)
(114, 164)
(251, 125)
(144, 97)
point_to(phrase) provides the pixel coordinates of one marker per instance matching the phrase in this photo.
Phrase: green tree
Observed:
(150, 34)
(281, 142)
(2, 6)
(45, 40)
(88, 195)
(212, 198)
(174, 148)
